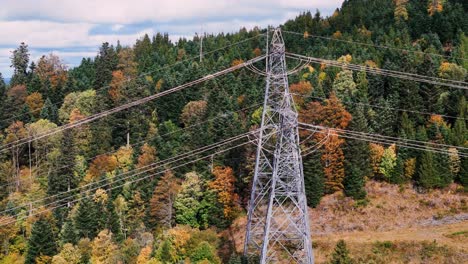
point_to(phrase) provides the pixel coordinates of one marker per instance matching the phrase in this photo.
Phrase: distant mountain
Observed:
(7, 80)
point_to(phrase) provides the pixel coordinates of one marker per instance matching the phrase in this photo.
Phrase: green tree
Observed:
(427, 171)
(188, 200)
(344, 85)
(49, 111)
(205, 252)
(20, 62)
(68, 233)
(341, 254)
(357, 154)
(86, 219)
(314, 178)
(41, 242)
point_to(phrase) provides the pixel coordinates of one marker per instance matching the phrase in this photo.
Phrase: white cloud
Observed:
(55, 25)
(125, 12)
(117, 27)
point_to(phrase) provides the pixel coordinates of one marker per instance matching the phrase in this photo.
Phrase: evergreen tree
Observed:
(49, 111)
(314, 178)
(105, 63)
(3, 101)
(20, 62)
(397, 174)
(357, 163)
(68, 233)
(427, 171)
(341, 254)
(41, 242)
(86, 219)
(464, 173)
(63, 179)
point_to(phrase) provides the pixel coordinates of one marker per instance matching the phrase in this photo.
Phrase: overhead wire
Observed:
(385, 72)
(308, 35)
(384, 107)
(222, 115)
(138, 171)
(376, 138)
(127, 105)
(150, 72)
(19, 218)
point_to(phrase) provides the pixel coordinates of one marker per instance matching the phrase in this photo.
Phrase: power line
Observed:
(385, 107)
(308, 35)
(115, 187)
(134, 172)
(128, 105)
(149, 72)
(389, 73)
(376, 138)
(222, 115)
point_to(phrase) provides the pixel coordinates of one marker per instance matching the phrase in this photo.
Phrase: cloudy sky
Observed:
(73, 29)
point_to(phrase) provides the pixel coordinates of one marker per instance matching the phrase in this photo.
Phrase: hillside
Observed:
(397, 225)
(117, 160)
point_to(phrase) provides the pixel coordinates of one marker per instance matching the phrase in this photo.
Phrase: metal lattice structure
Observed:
(278, 226)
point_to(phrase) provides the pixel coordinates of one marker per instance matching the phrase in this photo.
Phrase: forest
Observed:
(74, 196)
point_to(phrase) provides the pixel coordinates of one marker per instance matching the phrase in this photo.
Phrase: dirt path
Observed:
(440, 233)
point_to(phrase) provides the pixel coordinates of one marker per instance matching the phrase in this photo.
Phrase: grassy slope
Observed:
(398, 225)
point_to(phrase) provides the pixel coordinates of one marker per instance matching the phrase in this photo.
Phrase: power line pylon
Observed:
(278, 224)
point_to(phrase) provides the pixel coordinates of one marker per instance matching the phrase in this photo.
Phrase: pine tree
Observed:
(313, 178)
(357, 163)
(41, 242)
(68, 233)
(397, 173)
(86, 219)
(3, 101)
(341, 254)
(20, 62)
(63, 179)
(464, 173)
(49, 111)
(427, 171)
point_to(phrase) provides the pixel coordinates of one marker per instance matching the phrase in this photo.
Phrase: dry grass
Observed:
(395, 225)
(390, 207)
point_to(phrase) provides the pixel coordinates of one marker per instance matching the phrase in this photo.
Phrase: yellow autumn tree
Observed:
(300, 90)
(435, 6)
(35, 103)
(147, 156)
(376, 153)
(224, 186)
(103, 248)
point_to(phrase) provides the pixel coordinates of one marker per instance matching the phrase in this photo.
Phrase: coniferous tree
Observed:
(86, 219)
(49, 111)
(41, 242)
(427, 171)
(20, 62)
(3, 101)
(314, 178)
(68, 233)
(464, 172)
(341, 254)
(357, 163)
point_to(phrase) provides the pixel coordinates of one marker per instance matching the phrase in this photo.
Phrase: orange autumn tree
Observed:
(333, 160)
(51, 68)
(162, 201)
(102, 164)
(223, 185)
(116, 84)
(333, 115)
(35, 103)
(300, 90)
(147, 156)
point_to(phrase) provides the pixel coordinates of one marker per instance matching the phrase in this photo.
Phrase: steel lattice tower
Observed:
(278, 225)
